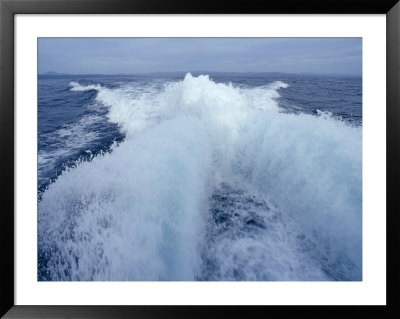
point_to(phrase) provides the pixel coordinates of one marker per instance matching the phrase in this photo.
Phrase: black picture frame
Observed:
(8, 8)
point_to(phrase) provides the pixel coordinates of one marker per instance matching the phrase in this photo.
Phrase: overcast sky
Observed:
(140, 55)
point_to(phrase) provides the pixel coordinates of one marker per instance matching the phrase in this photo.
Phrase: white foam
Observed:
(66, 141)
(75, 86)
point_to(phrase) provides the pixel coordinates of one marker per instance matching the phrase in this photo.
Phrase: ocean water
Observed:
(200, 178)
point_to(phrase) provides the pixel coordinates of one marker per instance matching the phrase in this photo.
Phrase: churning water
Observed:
(222, 179)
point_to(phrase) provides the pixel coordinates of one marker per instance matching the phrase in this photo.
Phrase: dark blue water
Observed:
(71, 126)
(226, 178)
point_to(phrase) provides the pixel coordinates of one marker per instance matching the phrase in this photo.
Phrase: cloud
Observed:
(135, 55)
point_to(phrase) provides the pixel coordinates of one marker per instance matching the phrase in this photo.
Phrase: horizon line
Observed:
(205, 72)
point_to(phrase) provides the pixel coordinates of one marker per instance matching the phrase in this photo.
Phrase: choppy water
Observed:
(199, 178)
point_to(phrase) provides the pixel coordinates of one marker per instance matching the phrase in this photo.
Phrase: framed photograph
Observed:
(162, 159)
